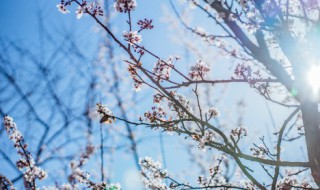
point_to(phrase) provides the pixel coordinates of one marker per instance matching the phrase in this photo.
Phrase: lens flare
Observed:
(314, 78)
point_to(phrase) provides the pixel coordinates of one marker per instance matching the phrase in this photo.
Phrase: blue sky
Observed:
(20, 23)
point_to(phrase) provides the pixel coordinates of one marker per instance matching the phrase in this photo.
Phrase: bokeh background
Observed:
(54, 68)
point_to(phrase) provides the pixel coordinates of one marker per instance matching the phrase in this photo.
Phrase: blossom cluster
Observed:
(124, 6)
(259, 151)
(89, 150)
(105, 113)
(134, 75)
(62, 8)
(203, 139)
(291, 181)
(145, 24)
(199, 70)
(213, 112)
(243, 71)
(156, 114)
(5, 183)
(152, 174)
(79, 176)
(84, 7)
(162, 69)
(157, 98)
(132, 37)
(183, 102)
(215, 177)
(32, 172)
(239, 132)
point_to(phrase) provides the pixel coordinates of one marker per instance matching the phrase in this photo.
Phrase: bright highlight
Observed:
(314, 78)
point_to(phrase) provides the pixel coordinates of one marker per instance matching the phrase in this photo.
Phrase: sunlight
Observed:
(314, 78)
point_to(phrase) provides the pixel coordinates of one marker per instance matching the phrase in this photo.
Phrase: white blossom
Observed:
(199, 71)
(183, 101)
(152, 174)
(62, 9)
(79, 12)
(132, 37)
(213, 112)
(124, 6)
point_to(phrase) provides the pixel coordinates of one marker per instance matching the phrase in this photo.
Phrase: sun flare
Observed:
(314, 78)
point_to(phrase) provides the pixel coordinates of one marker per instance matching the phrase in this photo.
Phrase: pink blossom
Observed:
(124, 6)
(199, 71)
(132, 37)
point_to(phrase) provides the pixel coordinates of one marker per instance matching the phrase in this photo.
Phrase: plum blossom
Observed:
(5, 183)
(93, 8)
(79, 176)
(215, 178)
(145, 24)
(243, 71)
(79, 12)
(162, 70)
(32, 172)
(124, 6)
(183, 101)
(156, 114)
(239, 132)
(289, 181)
(152, 174)
(213, 112)
(207, 137)
(132, 37)
(259, 151)
(105, 113)
(199, 71)
(62, 8)
(157, 98)
(134, 75)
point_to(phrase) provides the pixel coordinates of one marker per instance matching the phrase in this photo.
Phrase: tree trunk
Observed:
(311, 122)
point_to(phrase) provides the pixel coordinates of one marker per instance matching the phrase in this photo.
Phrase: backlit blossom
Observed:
(32, 172)
(93, 8)
(145, 24)
(203, 139)
(62, 9)
(213, 112)
(199, 71)
(134, 75)
(239, 132)
(152, 174)
(124, 6)
(183, 102)
(105, 113)
(79, 12)
(162, 70)
(259, 151)
(132, 37)
(243, 71)
(156, 114)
